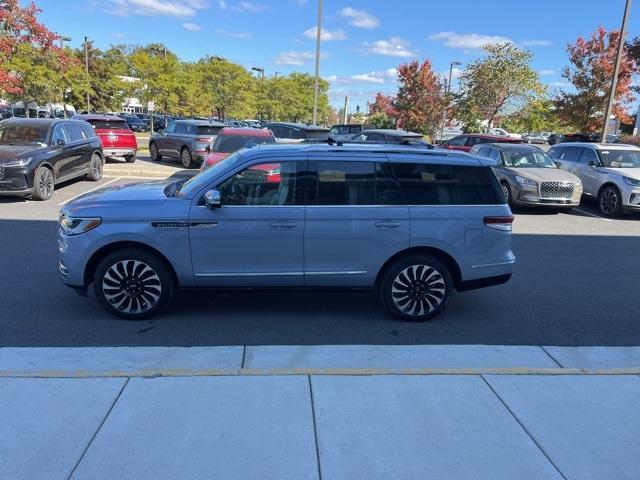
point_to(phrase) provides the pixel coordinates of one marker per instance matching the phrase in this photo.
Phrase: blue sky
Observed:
(363, 41)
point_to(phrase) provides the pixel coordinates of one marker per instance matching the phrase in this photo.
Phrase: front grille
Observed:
(556, 190)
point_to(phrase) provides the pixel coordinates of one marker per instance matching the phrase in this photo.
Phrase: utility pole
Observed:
(86, 69)
(317, 79)
(165, 93)
(616, 71)
(64, 83)
(447, 91)
(261, 70)
(345, 112)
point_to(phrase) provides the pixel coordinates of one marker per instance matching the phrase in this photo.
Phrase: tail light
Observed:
(500, 223)
(203, 140)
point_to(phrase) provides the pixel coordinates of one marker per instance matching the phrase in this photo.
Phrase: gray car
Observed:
(415, 225)
(609, 173)
(186, 140)
(528, 176)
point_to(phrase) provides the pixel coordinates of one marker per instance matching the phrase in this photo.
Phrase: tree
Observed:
(32, 66)
(591, 73)
(501, 82)
(633, 50)
(381, 120)
(539, 115)
(384, 104)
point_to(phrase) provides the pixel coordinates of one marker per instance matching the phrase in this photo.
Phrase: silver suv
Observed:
(609, 173)
(413, 224)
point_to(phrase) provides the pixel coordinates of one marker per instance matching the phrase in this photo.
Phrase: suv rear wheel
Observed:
(417, 288)
(133, 284)
(610, 201)
(130, 158)
(186, 158)
(95, 168)
(153, 151)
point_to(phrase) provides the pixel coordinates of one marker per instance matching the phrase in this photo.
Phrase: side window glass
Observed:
(59, 133)
(74, 132)
(89, 132)
(588, 156)
(180, 128)
(263, 184)
(493, 154)
(458, 141)
(571, 154)
(426, 184)
(555, 153)
(170, 128)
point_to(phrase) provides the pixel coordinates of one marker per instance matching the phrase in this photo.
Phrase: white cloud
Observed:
(194, 27)
(169, 8)
(248, 7)
(227, 33)
(327, 35)
(296, 58)
(359, 18)
(559, 84)
(468, 41)
(547, 72)
(537, 43)
(375, 77)
(394, 47)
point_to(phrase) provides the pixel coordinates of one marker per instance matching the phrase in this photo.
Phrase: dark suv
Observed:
(36, 153)
(187, 140)
(298, 132)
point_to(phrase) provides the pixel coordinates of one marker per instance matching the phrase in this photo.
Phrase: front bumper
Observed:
(531, 196)
(15, 181)
(119, 152)
(631, 196)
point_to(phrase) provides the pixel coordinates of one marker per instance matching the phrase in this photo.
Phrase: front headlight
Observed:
(76, 226)
(525, 181)
(631, 181)
(19, 162)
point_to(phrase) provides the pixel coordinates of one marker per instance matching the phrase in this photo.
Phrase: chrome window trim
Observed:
(251, 274)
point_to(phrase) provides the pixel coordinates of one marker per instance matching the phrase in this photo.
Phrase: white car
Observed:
(610, 173)
(503, 133)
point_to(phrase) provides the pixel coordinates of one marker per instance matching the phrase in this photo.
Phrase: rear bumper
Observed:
(119, 151)
(483, 282)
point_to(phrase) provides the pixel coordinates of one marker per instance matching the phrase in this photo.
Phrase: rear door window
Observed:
(208, 130)
(570, 154)
(352, 183)
(434, 184)
(457, 142)
(75, 132)
(180, 129)
(109, 124)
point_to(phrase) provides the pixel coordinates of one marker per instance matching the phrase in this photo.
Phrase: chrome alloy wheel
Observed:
(45, 182)
(609, 201)
(131, 286)
(96, 167)
(418, 290)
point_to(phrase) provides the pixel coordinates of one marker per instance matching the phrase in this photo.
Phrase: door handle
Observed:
(387, 224)
(284, 225)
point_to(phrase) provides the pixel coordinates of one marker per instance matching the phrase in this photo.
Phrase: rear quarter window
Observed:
(433, 184)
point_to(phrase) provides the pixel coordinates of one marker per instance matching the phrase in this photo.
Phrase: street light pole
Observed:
(86, 69)
(64, 83)
(261, 70)
(616, 71)
(317, 77)
(447, 90)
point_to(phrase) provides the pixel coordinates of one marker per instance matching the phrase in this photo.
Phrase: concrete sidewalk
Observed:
(320, 412)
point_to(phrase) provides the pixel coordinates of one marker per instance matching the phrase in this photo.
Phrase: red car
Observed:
(117, 138)
(468, 140)
(230, 140)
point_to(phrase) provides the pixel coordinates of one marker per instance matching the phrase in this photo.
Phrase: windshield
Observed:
(528, 160)
(23, 134)
(109, 124)
(208, 130)
(231, 143)
(206, 176)
(620, 158)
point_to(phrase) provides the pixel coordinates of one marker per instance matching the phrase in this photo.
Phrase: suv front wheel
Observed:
(610, 201)
(133, 284)
(417, 288)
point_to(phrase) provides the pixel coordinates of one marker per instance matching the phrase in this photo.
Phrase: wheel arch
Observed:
(608, 183)
(102, 252)
(441, 255)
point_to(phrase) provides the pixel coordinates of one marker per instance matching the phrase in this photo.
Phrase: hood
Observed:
(122, 200)
(625, 172)
(9, 152)
(545, 174)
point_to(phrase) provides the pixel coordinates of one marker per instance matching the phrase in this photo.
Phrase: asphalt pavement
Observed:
(575, 283)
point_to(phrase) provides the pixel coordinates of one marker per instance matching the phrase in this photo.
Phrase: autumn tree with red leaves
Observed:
(591, 73)
(421, 99)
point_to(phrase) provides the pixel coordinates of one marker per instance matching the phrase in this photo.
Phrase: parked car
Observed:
(580, 137)
(186, 140)
(356, 216)
(609, 173)
(554, 138)
(253, 123)
(232, 139)
(539, 138)
(235, 123)
(501, 132)
(158, 121)
(135, 124)
(466, 141)
(36, 154)
(297, 132)
(390, 136)
(117, 138)
(341, 133)
(528, 176)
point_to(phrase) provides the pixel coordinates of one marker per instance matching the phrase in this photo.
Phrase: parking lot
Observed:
(575, 283)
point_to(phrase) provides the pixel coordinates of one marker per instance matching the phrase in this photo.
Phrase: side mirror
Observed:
(212, 199)
(558, 164)
(60, 142)
(593, 164)
(208, 148)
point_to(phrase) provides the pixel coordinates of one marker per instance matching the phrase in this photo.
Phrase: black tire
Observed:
(43, 184)
(133, 284)
(610, 201)
(507, 192)
(96, 167)
(154, 153)
(186, 159)
(417, 288)
(130, 158)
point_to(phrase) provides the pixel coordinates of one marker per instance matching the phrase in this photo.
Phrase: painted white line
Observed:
(89, 191)
(592, 214)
